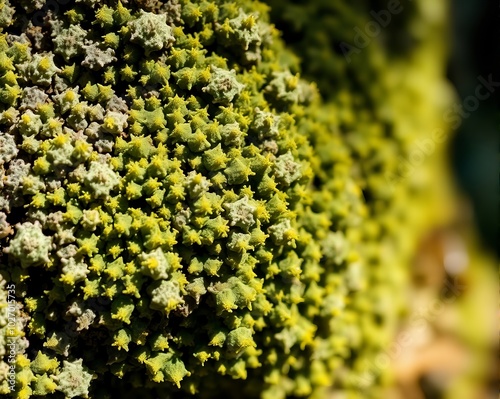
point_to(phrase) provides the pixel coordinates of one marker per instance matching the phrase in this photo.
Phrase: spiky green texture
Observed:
(199, 223)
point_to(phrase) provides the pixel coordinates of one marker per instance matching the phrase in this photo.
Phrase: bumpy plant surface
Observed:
(180, 213)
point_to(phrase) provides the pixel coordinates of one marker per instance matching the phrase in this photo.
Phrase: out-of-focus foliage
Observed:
(386, 68)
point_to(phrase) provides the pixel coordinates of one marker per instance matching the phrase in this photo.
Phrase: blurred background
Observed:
(461, 359)
(455, 280)
(475, 54)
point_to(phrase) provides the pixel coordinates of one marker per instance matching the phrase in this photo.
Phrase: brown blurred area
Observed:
(452, 351)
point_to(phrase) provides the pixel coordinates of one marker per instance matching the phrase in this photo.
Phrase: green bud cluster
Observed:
(179, 211)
